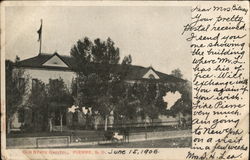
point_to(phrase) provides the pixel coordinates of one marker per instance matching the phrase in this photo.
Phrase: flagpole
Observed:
(40, 49)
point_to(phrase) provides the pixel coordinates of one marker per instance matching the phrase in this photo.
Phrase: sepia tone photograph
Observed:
(97, 77)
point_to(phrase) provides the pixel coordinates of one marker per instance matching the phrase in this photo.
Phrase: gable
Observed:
(151, 75)
(55, 61)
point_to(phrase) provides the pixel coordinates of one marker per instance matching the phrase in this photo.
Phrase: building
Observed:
(54, 66)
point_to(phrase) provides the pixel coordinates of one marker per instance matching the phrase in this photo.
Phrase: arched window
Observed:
(151, 76)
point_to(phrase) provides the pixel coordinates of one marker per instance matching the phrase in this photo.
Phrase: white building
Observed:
(54, 66)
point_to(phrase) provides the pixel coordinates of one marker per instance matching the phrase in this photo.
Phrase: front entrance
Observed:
(57, 118)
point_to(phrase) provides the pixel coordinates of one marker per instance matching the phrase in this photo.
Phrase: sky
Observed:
(150, 34)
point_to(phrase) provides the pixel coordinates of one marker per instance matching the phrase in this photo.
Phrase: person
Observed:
(108, 135)
(184, 122)
(117, 136)
(125, 132)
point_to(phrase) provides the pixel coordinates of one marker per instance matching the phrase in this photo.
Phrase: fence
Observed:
(163, 124)
(52, 141)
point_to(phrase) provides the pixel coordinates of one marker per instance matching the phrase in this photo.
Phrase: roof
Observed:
(133, 72)
(40, 59)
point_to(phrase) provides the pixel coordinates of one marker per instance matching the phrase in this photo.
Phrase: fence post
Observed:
(68, 139)
(36, 142)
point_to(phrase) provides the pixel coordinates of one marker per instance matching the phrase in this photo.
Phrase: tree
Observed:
(105, 52)
(59, 97)
(82, 51)
(126, 104)
(16, 89)
(177, 73)
(184, 104)
(38, 104)
(146, 94)
(97, 84)
(127, 60)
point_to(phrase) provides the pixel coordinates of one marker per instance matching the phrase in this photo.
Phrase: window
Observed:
(21, 115)
(21, 84)
(33, 114)
(57, 118)
(58, 115)
(34, 83)
(151, 76)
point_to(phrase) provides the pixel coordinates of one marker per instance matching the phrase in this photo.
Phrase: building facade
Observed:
(44, 67)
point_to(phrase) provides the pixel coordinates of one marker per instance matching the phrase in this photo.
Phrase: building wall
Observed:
(44, 75)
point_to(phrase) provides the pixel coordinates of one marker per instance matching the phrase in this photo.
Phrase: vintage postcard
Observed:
(124, 80)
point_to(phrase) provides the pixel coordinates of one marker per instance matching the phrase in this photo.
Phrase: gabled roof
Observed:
(137, 72)
(133, 72)
(56, 61)
(40, 59)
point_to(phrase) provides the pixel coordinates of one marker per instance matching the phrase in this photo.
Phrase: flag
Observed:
(40, 32)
